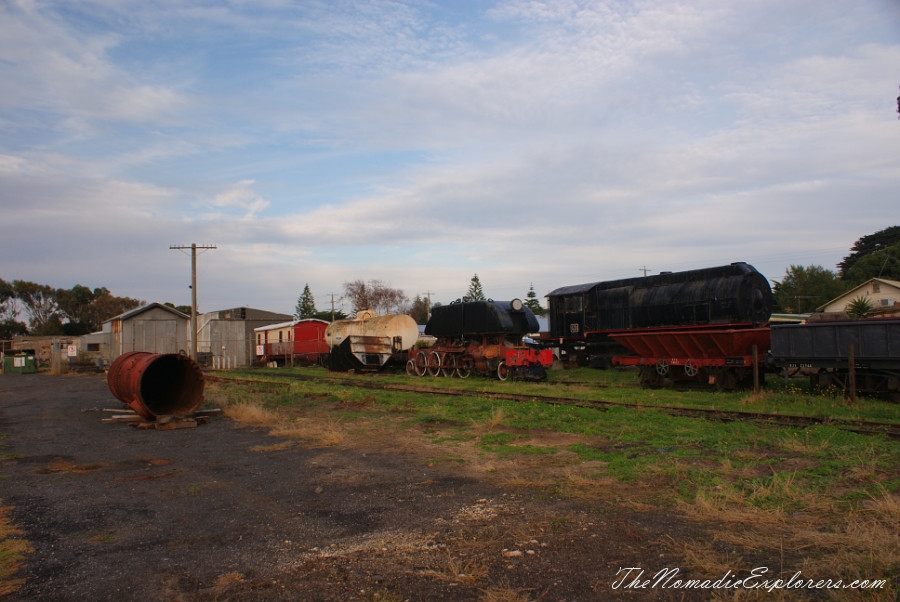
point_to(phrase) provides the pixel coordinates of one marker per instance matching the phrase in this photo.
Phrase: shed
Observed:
(154, 328)
(225, 338)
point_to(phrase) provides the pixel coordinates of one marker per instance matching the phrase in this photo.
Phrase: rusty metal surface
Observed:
(155, 384)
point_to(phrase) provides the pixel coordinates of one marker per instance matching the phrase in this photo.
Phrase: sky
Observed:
(535, 144)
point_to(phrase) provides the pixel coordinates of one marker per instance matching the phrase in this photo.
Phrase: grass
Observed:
(13, 550)
(820, 497)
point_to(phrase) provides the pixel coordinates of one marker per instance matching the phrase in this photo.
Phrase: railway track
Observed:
(866, 427)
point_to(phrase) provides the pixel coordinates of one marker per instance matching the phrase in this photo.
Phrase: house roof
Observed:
(855, 291)
(148, 307)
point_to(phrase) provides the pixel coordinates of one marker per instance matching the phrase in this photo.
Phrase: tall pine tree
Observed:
(475, 293)
(306, 305)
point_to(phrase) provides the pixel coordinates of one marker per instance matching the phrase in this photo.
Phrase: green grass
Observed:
(766, 465)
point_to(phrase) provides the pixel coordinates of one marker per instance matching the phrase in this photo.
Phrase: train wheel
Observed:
(464, 366)
(434, 363)
(421, 363)
(691, 369)
(448, 365)
(410, 367)
(502, 371)
(662, 367)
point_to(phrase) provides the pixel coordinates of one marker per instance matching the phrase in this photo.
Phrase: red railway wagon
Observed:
(719, 357)
(302, 341)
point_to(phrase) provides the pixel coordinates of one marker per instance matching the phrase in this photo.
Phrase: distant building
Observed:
(883, 295)
(225, 338)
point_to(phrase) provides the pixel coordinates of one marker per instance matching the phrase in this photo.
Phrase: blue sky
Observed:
(419, 143)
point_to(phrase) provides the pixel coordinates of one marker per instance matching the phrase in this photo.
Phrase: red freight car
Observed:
(301, 341)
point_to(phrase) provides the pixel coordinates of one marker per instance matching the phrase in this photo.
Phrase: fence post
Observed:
(851, 364)
(755, 371)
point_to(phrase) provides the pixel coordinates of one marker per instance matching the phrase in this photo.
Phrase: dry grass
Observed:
(321, 432)
(505, 594)
(12, 554)
(495, 420)
(228, 579)
(251, 414)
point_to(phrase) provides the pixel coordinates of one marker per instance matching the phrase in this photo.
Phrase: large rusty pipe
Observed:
(154, 384)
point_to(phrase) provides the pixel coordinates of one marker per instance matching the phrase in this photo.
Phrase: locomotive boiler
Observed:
(483, 337)
(582, 317)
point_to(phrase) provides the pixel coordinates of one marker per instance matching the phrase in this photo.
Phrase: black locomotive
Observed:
(582, 316)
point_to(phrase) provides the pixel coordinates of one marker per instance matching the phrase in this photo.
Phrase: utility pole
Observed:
(193, 249)
(428, 305)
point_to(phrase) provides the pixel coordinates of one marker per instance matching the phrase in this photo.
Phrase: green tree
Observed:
(306, 305)
(868, 245)
(532, 303)
(475, 292)
(859, 307)
(803, 289)
(83, 310)
(39, 302)
(419, 310)
(883, 263)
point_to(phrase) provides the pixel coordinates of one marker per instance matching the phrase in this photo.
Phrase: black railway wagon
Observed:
(826, 348)
(582, 316)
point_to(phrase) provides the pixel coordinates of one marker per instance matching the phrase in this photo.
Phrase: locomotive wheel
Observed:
(464, 366)
(502, 371)
(421, 363)
(662, 367)
(434, 363)
(410, 367)
(691, 369)
(448, 365)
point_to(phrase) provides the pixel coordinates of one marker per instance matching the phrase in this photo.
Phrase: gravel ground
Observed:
(221, 512)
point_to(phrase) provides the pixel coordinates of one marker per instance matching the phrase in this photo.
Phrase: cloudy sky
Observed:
(418, 143)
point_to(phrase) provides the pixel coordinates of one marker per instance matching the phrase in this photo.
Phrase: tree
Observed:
(883, 263)
(306, 305)
(375, 295)
(419, 310)
(859, 307)
(475, 292)
(185, 309)
(82, 310)
(532, 303)
(39, 302)
(803, 289)
(868, 245)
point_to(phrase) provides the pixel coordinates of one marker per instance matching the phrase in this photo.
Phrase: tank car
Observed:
(581, 317)
(369, 341)
(483, 337)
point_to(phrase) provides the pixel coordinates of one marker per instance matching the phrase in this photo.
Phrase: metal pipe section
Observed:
(155, 384)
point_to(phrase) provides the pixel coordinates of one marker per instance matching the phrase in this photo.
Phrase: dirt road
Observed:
(222, 512)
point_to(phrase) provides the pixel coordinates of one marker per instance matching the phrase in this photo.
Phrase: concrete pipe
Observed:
(155, 384)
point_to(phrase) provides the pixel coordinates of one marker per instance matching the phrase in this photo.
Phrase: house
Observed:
(883, 295)
(225, 338)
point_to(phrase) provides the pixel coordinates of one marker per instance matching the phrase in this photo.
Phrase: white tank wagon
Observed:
(370, 341)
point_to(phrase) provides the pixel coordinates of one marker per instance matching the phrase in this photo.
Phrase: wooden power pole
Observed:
(193, 249)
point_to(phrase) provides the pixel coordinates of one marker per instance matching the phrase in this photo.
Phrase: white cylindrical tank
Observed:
(367, 324)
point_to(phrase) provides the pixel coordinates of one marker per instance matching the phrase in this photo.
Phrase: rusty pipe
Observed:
(154, 384)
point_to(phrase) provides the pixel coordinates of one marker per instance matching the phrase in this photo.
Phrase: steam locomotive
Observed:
(483, 337)
(583, 317)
